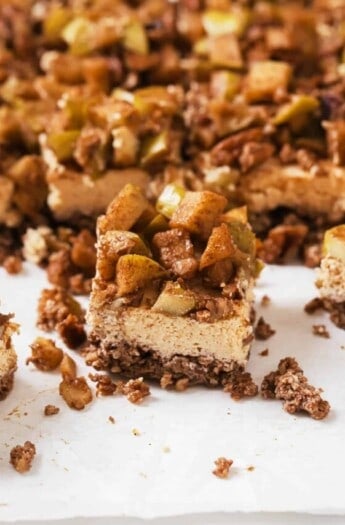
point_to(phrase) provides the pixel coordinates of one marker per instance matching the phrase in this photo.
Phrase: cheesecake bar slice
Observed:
(173, 291)
(8, 357)
(331, 274)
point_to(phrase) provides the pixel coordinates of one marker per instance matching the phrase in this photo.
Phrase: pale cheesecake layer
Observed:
(224, 339)
(311, 193)
(72, 194)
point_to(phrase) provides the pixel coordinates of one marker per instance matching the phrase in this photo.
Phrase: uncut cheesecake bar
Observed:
(331, 274)
(173, 293)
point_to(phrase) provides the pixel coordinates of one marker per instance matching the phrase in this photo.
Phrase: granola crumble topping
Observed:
(223, 466)
(290, 384)
(21, 456)
(136, 390)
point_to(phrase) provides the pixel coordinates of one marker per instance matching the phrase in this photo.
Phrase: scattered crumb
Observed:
(289, 384)
(321, 331)
(68, 368)
(54, 306)
(13, 264)
(71, 331)
(51, 410)
(264, 353)
(111, 420)
(76, 392)
(105, 386)
(265, 300)
(241, 386)
(313, 305)
(21, 456)
(45, 355)
(166, 449)
(135, 432)
(250, 468)
(223, 466)
(263, 330)
(342, 347)
(135, 390)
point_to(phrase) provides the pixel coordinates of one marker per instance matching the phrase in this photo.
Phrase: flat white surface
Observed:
(88, 467)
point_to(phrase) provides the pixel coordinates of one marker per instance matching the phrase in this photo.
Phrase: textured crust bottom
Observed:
(6, 383)
(135, 361)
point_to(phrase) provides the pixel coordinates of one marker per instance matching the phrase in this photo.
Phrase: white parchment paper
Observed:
(87, 466)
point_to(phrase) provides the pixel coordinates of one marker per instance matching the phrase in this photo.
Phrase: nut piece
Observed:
(105, 386)
(21, 456)
(136, 390)
(54, 306)
(51, 410)
(76, 392)
(68, 368)
(46, 356)
(223, 466)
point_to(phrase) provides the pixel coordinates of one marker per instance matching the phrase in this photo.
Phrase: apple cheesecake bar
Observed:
(8, 357)
(331, 274)
(173, 291)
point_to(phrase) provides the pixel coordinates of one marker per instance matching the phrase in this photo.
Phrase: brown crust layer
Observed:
(6, 383)
(134, 361)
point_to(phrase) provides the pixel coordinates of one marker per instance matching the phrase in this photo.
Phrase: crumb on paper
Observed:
(241, 386)
(265, 300)
(136, 390)
(264, 353)
(105, 386)
(136, 432)
(13, 264)
(68, 367)
(321, 331)
(166, 449)
(51, 410)
(182, 384)
(54, 306)
(76, 392)
(263, 330)
(290, 384)
(72, 331)
(45, 355)
(313, 305)
(250, 468)
(111, 419)
(21, 456)
(223, 466)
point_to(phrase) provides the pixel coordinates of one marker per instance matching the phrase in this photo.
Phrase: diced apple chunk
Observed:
(174, 300)
(198, 211)
(136, 271)
(334, 242)
(124, 210)
(239, 214)
(169, 199)
(265, 78)
(220, 246)
(114, 244)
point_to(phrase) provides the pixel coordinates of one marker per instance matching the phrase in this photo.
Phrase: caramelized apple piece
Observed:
(334, 242)
(169, 199)
(219, 246)
(124, 210)
(265, 78)
(114, 244)
(198, 211)
(174, 300)
(136, 271)
(239, 214)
